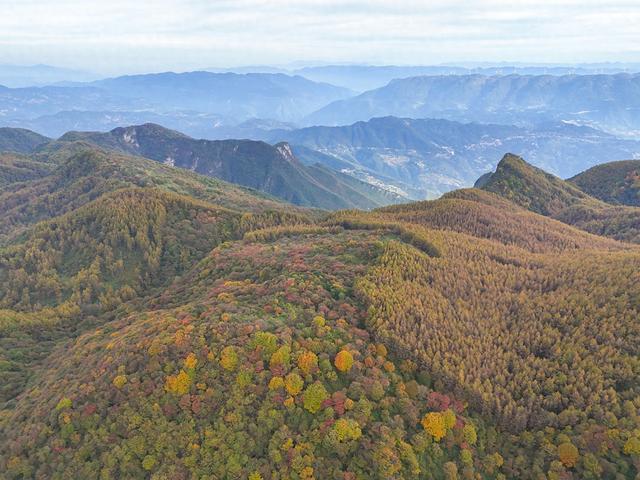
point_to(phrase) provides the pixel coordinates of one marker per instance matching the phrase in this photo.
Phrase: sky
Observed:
(125, 36)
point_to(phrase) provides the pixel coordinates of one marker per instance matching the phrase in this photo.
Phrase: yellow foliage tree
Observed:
(433, 422)
(381, 350)
(178, 384)
(191, 361)
(343, 361)
(120, 381)
(568, 454)
(281, 357)
(347, 429)
(307, 362)
(293, 383)
(314, 395)
(470, 434)
(229, 358)
(632, 446)
(275, 383)
(449, 419)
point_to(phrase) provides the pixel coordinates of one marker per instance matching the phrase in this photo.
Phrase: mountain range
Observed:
(364, 165)
(340, 272)
(613, 182)
(250, 95)
(16, 76)
(608, 102)
(209, 105)
(272, 169)
(368, 77)
(423, 158)
(203, 98)
(20, 140)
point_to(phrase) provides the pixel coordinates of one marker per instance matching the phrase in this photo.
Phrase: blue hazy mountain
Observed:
(241, 96)
(367, 77)
(608, 102)
(33, 75)
(194, 94)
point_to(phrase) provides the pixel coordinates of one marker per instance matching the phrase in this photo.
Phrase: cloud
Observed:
(122, 35)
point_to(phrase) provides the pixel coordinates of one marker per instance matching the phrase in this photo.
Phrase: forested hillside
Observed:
(614, 182)
(159, 324)
(19, 140)
(79, 173)
(540, 192)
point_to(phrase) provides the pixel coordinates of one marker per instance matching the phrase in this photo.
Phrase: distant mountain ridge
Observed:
(608, 102)
(229, 96)
(16, 76)
(241, 96)
(254, 164)
(367, 77)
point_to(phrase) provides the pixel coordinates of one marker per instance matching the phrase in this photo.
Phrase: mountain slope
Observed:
(272, 169)
(434, 156)
(613, 182)
(370, 345)
(101, 229)
(262, 392)
(19, 168)
(82, 172)
(608, 102)
(540, 192)
(19, 140)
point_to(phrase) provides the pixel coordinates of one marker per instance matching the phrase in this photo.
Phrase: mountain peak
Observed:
(511, 160)
(148, 129)
(285, 150)
(531, 187)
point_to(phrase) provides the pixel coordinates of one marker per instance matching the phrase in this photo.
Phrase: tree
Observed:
(568, 454)
(434, 423)
(308, 362)
(119, 381)
(632, 446)
(347, 429)
(281, 358)
(470, 434)
(314, 395)
(191, 361)
(343, 361)
(229, 358)
(275, 383)
(178, 384)
(149, 462)
(293, 383)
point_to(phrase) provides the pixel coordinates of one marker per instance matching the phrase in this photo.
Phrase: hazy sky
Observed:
(118, 36)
